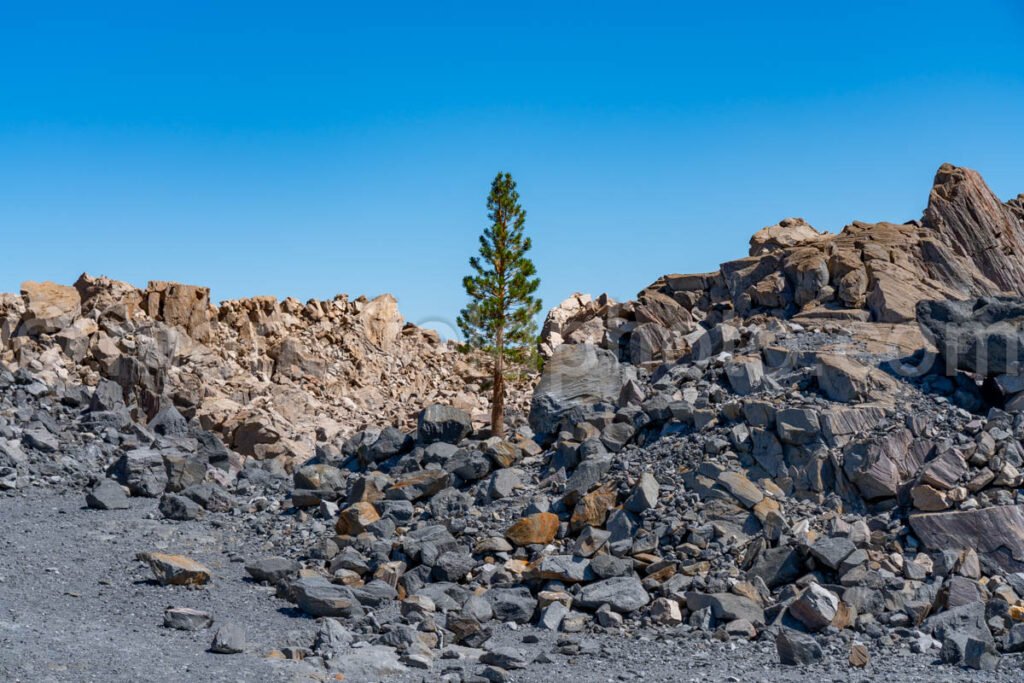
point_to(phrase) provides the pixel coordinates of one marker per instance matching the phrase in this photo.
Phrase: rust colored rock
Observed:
(186, 306)
(592, 509)
(540, 528)
(354, 519)
(177, 570)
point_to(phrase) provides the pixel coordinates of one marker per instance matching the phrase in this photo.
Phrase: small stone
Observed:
(859, 656)
(186, 619)
(666, 612)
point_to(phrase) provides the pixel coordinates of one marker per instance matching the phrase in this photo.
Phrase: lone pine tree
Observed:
(499, 317)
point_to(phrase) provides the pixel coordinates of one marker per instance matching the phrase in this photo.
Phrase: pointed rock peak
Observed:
(965, 212)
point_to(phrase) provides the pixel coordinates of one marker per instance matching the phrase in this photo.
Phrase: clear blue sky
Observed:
(324, 148)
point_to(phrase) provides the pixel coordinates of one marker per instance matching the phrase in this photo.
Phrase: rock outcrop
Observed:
(967, 244)
(274, 379)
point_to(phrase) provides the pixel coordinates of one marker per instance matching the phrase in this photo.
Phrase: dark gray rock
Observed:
(319, 597)
(795, 648)
(832, 550)
(777, 566)
(108, 396)
(727, 606)
(273, 569)
(142, 471)
(186, 619)
(107, 495)
(179, 508)
(512, 604)
(645, 494)
(169, 422)
(453, 566)
(505, 657)
(391, 443)
(996, 533)
(183, 470)
(442, 423)
(984, 335)
(210, 496)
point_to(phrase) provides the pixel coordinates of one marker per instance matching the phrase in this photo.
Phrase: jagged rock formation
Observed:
(272, 378)
(967, 244)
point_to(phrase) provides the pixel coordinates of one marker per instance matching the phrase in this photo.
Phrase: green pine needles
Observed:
(500, 315)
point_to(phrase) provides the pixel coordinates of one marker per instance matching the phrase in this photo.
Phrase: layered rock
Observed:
(967, 244)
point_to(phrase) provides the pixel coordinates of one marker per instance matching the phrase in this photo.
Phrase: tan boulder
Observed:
(381, 320)
(49, 307)
(789, 232)
(186, 306)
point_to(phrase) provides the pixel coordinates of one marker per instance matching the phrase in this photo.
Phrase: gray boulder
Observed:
(726, 606)
(319, 597)
(623, 594)
(273, 569)
(229, 639)
(996, 533)
(142, 471)
(984, 335)
(797, 648)
(442, 423)
(576, 375)
(107, 495)
(512, 604)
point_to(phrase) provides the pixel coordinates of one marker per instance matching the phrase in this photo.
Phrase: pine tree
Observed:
(499, 317)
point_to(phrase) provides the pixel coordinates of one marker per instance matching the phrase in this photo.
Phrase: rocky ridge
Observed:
(272, 379)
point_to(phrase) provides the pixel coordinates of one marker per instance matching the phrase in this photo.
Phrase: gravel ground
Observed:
(75, 605)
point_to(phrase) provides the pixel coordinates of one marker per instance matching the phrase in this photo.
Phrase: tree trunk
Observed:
(498, 395)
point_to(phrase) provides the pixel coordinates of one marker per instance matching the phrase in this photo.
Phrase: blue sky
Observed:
(323, 148)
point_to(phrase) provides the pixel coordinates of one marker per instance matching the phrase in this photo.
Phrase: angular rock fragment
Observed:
(107, 495)
(229, 639)
(186, 619)
(176, 570)
(796, 649)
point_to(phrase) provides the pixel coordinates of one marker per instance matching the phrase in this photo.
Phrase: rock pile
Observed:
(271, 379)
(768, 453)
